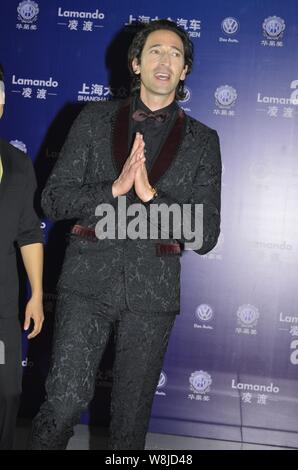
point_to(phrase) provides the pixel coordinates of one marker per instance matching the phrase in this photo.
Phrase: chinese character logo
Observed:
(225, 97)
(273, 27)
(248, 315)
(200, 382)
(27, 11)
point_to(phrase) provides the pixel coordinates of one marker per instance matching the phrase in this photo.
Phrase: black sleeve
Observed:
(206, 190)
(29, 230)
(66, 196)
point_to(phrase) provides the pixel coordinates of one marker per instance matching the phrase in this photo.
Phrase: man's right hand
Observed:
(126, 179)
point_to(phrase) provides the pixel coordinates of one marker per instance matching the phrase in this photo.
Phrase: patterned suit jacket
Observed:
(187, 170)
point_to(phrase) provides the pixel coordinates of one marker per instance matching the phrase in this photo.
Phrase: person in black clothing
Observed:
(130, 285)
(20, 225)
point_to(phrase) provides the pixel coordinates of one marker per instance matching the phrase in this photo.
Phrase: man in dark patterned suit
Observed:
(130, 285)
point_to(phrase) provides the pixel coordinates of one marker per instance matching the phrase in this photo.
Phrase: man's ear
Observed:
(184, 72)
(135, 66)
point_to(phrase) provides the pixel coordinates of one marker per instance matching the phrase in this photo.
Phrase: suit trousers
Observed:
(10, 379)
(82, 330)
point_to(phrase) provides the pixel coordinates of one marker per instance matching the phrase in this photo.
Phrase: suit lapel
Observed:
(168, 151)
(120, 136)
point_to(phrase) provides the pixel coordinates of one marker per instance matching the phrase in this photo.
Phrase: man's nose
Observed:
(165, 58)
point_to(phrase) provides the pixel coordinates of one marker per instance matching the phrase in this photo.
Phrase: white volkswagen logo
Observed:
(230, 25)
(204, 312)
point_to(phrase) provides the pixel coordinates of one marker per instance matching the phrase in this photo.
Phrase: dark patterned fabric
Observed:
(119, 283)
(82, 179)
(82, 331)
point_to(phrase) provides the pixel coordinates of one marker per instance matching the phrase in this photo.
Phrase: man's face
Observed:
(162, 63)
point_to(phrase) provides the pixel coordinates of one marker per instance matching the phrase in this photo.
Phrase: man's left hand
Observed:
(34, 311)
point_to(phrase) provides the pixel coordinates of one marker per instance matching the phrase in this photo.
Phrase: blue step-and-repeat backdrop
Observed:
(231, 370)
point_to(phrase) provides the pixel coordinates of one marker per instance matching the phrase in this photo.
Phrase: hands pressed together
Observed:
(134, 172)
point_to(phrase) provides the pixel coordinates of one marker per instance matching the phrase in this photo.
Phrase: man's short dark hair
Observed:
(138, 43)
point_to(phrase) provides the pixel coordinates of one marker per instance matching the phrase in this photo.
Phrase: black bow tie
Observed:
(140, 115)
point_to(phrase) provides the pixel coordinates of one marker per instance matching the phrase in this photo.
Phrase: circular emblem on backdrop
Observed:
(162, 380)
(248, 314)
(187, 95)
(230, 25)
(274, 27)
(200, 381)
(19, 145)
(28, 11)
(204, 312)
(225, 96)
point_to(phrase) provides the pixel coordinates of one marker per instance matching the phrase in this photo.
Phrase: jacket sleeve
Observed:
(206, 190)
(29, 230)
(66, 195)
